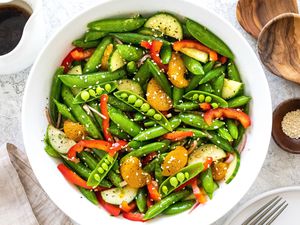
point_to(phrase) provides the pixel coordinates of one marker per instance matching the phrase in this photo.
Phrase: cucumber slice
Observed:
(208, 150)
(130, 85)
(76, 70)
(116, 196)
(233, 168)
(167, 24)
(231, 88)
(195, 54)
(58, 140)
(115, 61)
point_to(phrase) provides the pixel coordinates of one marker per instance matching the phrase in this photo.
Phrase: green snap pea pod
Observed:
(143, 75)
(193, 65)
(55, 93)
(123, 122)
(207, 38)
(194, 82)
(200, 96)
(101, 170)
(95, 106)
(105, 183)
(159, 77)
(224, 133)
(129, 53)
(95, 60)
(216, 186)
(94, 92)
(197, 121)
(131, 67)
(185, 31)
(206, 87)
(94, 35)
(207, 181)
(177, 95)
(115, 178)
(241, 132)
(157, 131)
(99, 153)
(150, 167)
(187, 106)
(90, 195)
(85, 44)
(179, 207)
(238, 101)
(219, 141)
(117, 25)
(166, 54)
(64, 110)
(246, 108)
(78, 168)
(217, 85)
(136, 144)
(88, 159)
(141, 105)
(184, 175)
(79, 113)
(116, 131)
(141, 200)
(233, 73)
(115, 102)
(136, 39)
(158, 174)
(146, 149)
(87, 80)
(232, 128)
(165, 203)
(151, 32)
(138, 117)
(197, 133)
(149, 123)
(213, 74)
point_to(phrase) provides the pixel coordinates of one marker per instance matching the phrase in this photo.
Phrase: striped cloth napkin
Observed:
(22, 199)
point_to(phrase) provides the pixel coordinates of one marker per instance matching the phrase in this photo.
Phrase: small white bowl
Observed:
(36, 96)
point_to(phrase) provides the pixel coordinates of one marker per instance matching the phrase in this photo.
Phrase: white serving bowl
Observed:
(36, 97)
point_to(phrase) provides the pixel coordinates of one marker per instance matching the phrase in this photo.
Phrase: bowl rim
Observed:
(192, 3)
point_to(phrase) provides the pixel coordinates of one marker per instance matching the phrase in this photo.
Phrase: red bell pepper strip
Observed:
(152, 187)
(207, 163)
(72, 177)
(223, 59)
(80, 54)
(148, 158)
(111, 209)
(146, 44)
(68, 60)
(98, 144)
(125, 207)
(194, 44)
(178, 135)
(197, 192)
(237, 114)
(105, 122)
(205, 106)
(149, 202)
(134, 216)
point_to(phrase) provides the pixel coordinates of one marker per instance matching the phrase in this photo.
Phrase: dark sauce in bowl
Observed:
(12, 22)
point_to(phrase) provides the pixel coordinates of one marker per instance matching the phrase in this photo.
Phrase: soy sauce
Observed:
(12, 22)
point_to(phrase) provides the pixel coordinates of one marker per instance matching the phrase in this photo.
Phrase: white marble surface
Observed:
(280, 168)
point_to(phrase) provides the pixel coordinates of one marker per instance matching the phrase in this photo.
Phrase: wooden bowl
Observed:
(282, 140)
(253, 15)
(279, 46)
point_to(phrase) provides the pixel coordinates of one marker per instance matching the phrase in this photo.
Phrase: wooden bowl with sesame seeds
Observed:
(285, 129)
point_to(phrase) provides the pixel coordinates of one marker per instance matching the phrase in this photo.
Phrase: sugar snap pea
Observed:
(115, 178)
(138, 116)
(177, 95)
(87, 80)
(238, 101)
(160, 77)
(158, 174)
(232, 128)
(197, 121)
(224, 133)
(79, 113)
(115, 102)
(64, 110)
(93, 35)
(146, 149)
(166, 202)
(136, 144)
(141, 200)
(197, 133)
(141, 105)
(78, 168)
(199, 96)
(130, 53)
(233, 73)
(88, 159)
(117, 25)
(219, 141)
(116, 131)
(166, 54)
(184, 175)
(90, 195)
(208, 38)
(216, 186)
(95, 60)
(55, 93)
(134, 38)
(179, 207)
(187, 106)
(241, 133)
(193, 65)
(131, 67)
(149, 123)
(217, 85)
(206, 87)
(157, 131)
(213, 74)
(143, 75)
(85, 44)
(207, 181)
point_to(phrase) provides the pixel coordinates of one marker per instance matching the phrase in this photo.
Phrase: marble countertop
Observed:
(279, 169)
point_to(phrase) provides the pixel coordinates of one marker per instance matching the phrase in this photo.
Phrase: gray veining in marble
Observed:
(280, 168)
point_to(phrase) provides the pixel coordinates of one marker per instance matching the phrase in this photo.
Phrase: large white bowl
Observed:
(36, 96)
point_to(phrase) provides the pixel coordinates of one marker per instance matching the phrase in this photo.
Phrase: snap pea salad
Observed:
(146, 115)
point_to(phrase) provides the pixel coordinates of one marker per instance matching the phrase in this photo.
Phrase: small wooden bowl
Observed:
(253, 15)
(279, 46)
(282, 140)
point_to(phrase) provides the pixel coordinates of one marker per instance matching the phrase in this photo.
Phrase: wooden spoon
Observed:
(254, 14)
(279, 46)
